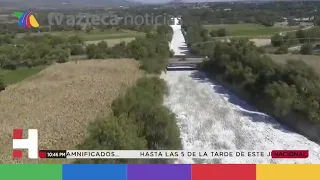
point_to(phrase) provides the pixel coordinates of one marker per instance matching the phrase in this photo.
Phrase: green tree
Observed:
(283, 97)
(92, 51)
(313, 110)
(5, 39)
(138, 49)
(277, 40)
(213, 33)
(2, 85)
(301, 35)
(56, 40)
(154, 65)
(58, 55)
(43, 49)
(75, 39)
(113, 133)
(204, 33)
(291, 39)
(283, 49)
(119, 50)
(76, 49)
(30, 55)
(221, 32)
(99, 51)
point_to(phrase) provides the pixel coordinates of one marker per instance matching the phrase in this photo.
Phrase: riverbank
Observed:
(294, 121)
(210, 117)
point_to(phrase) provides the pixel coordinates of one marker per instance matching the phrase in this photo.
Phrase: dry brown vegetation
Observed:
(311, 60)
(60, 101)
(261, 42)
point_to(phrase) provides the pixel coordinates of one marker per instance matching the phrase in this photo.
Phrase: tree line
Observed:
(305, 37)
(152, 50)
(195, 32)
(281, 90)
(139, 120)
(267, 13)
(34, 50)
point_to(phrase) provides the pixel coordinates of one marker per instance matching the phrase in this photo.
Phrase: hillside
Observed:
(65, 3)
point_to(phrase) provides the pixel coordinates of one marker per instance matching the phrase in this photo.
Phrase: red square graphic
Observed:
(17, 153)
(42, 154)
(17, 134)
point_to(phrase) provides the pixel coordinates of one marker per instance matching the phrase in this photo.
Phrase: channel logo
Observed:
(31, 143)
(26, 20)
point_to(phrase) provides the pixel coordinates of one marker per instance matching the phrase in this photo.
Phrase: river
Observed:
(212, 118)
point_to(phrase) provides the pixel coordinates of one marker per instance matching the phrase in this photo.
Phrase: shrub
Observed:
(58, 55)
(213, 33)
(301, 35)
(119, 50)
(261, 50)
(2, 85)
(76, 49)
(277, 40)
(221, 32)
(113, 133)
(139, 121)
(154, 65)
(99, 51)
(151, 89)
(291, 39)
(282, 50)
(10, 66)
(306, 49)
(75, 39)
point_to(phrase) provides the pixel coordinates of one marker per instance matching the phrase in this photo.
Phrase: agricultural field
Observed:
(3, 18)
(312, 60)
(96, 35)
(61, 101)
(250, 30)
(14, 76)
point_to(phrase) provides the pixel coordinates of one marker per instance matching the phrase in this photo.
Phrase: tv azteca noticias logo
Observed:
(31, 143)
(26, 19)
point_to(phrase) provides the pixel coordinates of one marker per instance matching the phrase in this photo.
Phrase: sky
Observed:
(108, 1)
(164, 1)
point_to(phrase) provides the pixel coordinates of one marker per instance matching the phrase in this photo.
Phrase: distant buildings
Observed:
(305, 21)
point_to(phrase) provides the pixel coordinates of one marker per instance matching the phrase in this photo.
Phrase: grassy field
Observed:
(249, 29)
(3, 18)
(97, 35)
(11, 77)
(61, 101)
(311, 60)
(111, 42)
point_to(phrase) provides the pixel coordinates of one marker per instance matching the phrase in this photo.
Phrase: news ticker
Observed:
(170, 154)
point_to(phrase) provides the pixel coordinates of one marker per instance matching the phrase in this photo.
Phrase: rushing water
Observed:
(210, 117)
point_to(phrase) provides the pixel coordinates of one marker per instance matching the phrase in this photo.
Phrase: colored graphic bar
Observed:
(159, 172)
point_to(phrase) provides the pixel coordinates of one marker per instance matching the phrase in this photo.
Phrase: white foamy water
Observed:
(210, 117)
